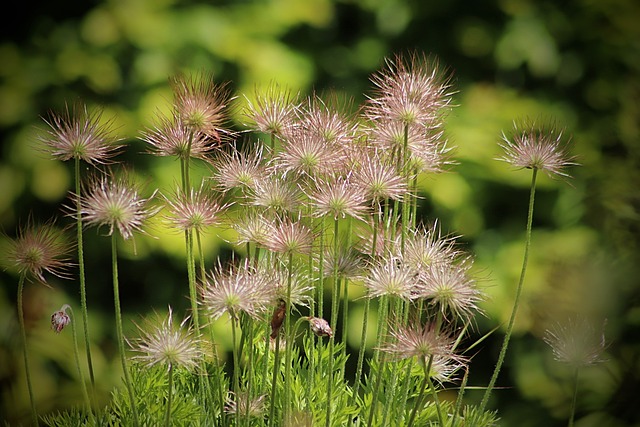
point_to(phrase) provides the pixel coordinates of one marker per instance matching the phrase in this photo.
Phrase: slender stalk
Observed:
(34, 413)
(418, 402)
(345, 312)
(363, 341)
(83, 288)
(407, 201)
(236, 367)
(334, 320)
(458, 406)
(516, 303)
(76, 355)
(434, 392)
(382, 319)
(203, 368)
(414, 200)
(249, 372)
(321, 271)
(276, 366)
(267, 350)
(345, 298)
(167, 418)
(390, 391)
(116, 301)
(365, 319)
(193, 297)
(407, 384)
(575, 396)
(191, 267)
(290, 340)
(274, 381)
(311, 354)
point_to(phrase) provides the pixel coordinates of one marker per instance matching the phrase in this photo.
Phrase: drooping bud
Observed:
(320, 327)
(60, 319)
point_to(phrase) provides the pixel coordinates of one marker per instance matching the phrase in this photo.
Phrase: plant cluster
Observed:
(323, 202)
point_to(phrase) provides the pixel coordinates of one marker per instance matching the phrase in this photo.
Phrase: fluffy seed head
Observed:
(289, 237)
(273, 111)
(327, 122)
(172, 137)
(391, 277)
(338, 197)
(80, 134)
(301, 285)
(275, 194)
(243, 405)
(577, 341)
(537, 146)
(425, 247)
(39, 248)
(346, 263)
(164, 343)
(237, 289)
(115, 202)
(410, 91)
(252, 228)
(239, 169)
(450, 288)
(201, 103)
(421, 342)
(194, 211)
(305, 153)
(379, 179)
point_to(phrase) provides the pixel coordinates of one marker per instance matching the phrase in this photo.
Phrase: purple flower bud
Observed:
(60, 319)
(320, 327)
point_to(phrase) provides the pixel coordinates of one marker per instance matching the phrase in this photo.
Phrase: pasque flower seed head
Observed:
(81, 134)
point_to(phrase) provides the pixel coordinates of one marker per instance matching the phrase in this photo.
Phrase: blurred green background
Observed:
(578, 61)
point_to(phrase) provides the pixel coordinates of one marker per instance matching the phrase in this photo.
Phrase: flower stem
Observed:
(34, 413)
(334, 321)
(203, 367)
(274, 381)
(365, 319)
(116, 301)
(458, 405)
(575, 397)
(516, 303)
(434, 392)
(77, 357)
(249, 373)
(236, 367)
(83, 290)
(380, 360)
(419, 399)
(290, 340)
(167, 418)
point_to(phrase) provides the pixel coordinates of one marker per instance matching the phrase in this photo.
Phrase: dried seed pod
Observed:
(278, 318)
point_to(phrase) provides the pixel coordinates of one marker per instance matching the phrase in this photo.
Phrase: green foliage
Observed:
(150, 387)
